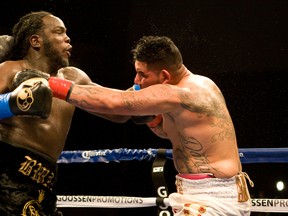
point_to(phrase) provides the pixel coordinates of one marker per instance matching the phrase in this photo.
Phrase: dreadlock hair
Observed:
(28, 25)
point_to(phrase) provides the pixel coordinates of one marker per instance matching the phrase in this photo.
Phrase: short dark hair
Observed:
(28, 25)
(158, 52)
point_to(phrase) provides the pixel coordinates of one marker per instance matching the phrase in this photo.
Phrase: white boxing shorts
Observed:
(205, 195)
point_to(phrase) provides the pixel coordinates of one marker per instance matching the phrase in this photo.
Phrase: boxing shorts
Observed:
(203, 194)
(27, 182)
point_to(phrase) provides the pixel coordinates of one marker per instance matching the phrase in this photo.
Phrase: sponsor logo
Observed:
(101, 199)
(89, 154)
(270, 203)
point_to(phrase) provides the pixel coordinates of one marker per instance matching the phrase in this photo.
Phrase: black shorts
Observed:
(27, 182)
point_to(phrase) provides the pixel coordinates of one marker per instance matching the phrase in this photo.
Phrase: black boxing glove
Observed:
(31, 98)
(26, 74)
(61, 88)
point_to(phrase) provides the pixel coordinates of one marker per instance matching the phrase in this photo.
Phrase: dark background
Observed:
(241, 45)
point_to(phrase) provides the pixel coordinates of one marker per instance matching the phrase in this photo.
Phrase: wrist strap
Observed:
(155, 122)
(61, 88)
(5, 111)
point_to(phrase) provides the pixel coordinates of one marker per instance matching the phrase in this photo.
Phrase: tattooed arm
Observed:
(149, 101)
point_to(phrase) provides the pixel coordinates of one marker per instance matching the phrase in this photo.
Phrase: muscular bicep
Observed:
(8, 70)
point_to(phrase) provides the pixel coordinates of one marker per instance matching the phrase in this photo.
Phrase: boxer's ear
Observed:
(35, 41)
(165, 76)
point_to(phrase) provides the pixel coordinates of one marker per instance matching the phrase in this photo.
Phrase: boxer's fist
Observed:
(61, 88)
(33, 97)
(136, 87)
(26, 74)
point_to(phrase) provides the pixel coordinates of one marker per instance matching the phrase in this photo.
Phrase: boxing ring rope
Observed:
(247, 155)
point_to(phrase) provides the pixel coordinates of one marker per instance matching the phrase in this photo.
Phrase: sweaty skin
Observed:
(195, 118)
(47, 136)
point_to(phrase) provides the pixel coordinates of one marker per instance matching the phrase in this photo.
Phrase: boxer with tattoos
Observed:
(190, 111)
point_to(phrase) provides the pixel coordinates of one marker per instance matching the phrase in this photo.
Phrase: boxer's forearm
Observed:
(98, 99)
